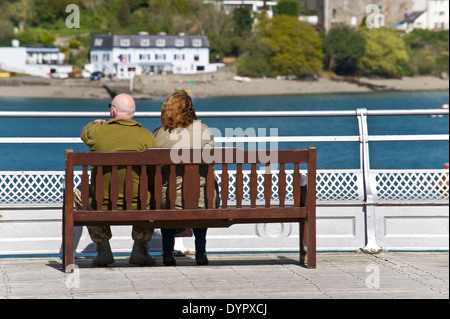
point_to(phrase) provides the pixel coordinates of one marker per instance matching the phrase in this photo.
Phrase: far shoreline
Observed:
(219, 84)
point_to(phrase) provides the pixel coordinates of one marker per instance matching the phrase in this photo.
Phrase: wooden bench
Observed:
(303, 209)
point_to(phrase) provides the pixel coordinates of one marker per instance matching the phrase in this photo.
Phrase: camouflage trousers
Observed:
(103, 232)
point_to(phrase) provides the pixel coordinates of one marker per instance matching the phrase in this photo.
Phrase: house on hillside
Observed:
(125, 56)
(255, 6)
(432, 15)
(39, 61)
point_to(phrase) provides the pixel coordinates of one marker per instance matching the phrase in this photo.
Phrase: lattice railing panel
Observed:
(341, 185)
(33, 187)
(411, 185)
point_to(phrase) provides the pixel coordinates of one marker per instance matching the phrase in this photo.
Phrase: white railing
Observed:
(362, 186)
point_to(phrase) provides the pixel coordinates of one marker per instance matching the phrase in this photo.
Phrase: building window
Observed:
(124, 58)
(196, 57)
(160, 42)
(145, 42)
(200, 68)
(144, 57)
(105, 57)
(197, 42)
(124, 42)
(98, 42)
(179, 42)
(178, 57)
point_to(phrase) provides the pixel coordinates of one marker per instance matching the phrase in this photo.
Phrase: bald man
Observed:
(120, 133)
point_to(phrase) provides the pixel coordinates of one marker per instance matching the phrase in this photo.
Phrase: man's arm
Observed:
(89, 132)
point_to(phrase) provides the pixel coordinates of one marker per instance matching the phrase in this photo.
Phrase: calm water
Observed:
(331, 155)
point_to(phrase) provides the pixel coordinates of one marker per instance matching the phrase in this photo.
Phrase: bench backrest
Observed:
(191, 159)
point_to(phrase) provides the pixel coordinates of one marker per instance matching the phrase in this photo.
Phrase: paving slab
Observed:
(387, 275)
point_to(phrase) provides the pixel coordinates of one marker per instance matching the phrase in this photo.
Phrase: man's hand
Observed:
(100, 121)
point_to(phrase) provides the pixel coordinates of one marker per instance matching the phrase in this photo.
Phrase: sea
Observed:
(330, 155)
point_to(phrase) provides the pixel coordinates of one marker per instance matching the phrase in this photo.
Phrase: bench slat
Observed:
(129, 187)
(267, 186)
(296, 185)
(192, 214)
(239, 186)
(224, 186)
(162, 156)
(99, 184)
(172, 186)
(85, 188)
(253, 186)
(210, 181)
(282, 185)
(114, 187)
(191, 186)
(158, 187)
(143, 187)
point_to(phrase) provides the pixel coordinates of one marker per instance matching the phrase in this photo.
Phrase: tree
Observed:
(124, 14)
(297, 49)
(283, 45)
(343, 47)
(243, 18)
(288, 7)
(428, 50)
(385, 54)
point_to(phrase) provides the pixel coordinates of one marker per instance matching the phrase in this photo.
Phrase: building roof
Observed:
(101, 41)
(412, 17)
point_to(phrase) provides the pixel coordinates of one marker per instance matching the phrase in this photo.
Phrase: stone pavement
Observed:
(388, 275)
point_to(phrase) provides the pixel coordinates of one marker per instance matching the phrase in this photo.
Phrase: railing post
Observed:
(369, 205)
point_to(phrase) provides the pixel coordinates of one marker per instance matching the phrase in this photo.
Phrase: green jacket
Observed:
(113, 136)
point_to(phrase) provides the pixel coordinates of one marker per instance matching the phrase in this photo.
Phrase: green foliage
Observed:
(124, 14)
(279, 46)
(283, 46)
(6, 32)
(385, 53)
(288, 7)
(256, 61)
(343, 47)
(243, 18)
(429, 51)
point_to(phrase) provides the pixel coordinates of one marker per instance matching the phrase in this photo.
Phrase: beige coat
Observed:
(198, 135)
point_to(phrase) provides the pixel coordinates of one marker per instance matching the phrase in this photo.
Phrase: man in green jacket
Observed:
(120, 133)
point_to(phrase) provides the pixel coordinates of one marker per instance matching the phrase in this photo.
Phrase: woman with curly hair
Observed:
(178, 118)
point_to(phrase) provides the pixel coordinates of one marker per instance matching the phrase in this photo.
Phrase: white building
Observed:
(39, 61)
(256, 6)
(127, 55)
(427, 14)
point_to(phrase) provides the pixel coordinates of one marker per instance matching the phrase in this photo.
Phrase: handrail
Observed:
(234, 114)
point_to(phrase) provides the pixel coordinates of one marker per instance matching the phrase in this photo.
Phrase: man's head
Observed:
(122, 106)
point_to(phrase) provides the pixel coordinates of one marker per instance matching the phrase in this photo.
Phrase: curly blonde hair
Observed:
(178, 111)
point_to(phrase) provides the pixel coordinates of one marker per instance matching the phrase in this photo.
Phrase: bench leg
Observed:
(311, 235)
(303, 241)
(68, 245)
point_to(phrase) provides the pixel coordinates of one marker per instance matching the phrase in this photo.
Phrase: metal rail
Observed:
(228, 114)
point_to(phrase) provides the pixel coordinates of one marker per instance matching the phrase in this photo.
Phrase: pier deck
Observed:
(388, 275)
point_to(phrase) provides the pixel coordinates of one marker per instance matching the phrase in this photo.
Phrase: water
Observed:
(331, 155)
